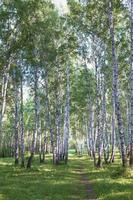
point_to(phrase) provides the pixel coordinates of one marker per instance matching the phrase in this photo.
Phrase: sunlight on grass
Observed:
(48, 182)
(2, 197)
(118, 195)
(45, 170)
(112, 182)
(42, 182)
(5, 163)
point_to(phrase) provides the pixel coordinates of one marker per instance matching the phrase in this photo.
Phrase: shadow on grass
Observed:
(109, 182)
(42, 182)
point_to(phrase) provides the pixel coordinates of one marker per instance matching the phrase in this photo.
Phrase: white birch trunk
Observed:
(22, 123)
(67, 116)
(3, 99)
(131, 82)
(102, 122)
(113, 130)
(35, 133)
(116, 87)
(16, 100)
(58, 120)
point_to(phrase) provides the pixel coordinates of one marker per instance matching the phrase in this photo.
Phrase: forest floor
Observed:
(79, 180)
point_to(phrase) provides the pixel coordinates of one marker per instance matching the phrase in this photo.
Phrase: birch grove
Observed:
(64, 81)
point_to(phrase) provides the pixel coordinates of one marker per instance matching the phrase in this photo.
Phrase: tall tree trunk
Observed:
(131, 77)
(22, 124)
(3, 99)
(128, 126)
(48, 125)
(57, 156)
(16, 100)
(94, 140)
(35, 133)
(102, 122)
(67, 116)
(91, 134)
(40, 140)
(116, 87)
(44, 143)
(58, 118)
(90, 129)
(113, 130)
(98, 121)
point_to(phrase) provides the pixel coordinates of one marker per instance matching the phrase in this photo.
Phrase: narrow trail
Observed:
(90, 192)
(85, 181)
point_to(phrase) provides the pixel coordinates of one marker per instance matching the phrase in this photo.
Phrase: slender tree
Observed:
(36, 122)
(67, 115)
(116, 86)
(16, 101)
(131, 82)
(22, 120)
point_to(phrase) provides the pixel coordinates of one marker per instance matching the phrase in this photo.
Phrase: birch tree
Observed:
(131, 82)
(16, 102)
(67, 115)
(116, 86)
(36, 118)
(22, 120)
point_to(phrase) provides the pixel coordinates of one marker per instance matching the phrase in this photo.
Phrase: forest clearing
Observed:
(66, 99)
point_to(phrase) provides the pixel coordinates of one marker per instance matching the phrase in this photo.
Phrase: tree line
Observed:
(66, 79)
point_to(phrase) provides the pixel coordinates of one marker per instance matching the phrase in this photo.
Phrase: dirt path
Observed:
(85, 181)
(90, 192)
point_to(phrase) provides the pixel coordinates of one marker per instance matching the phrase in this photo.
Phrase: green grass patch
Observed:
(42, 182)
(112, 182)
(48, 182)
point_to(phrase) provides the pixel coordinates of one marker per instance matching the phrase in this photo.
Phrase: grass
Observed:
(112, 182)
(48, 182)
(42, 182)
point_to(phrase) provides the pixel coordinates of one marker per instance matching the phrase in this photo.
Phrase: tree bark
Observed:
(90, 129)
(103, 129)
(3, 99)
(35, 133)
(98, 125)
(16, 100)
(113, 130)
(131, 82)
(116, 87)
(67, 116)
(48, 119)
(57, 144)
(22, 123)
